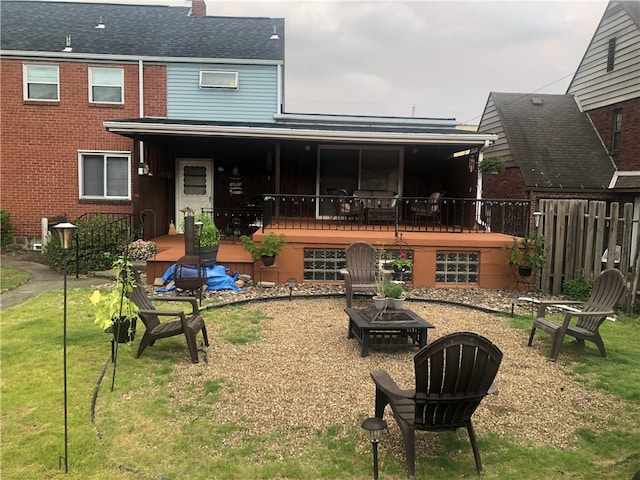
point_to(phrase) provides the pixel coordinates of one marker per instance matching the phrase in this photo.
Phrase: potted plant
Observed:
(115, 311)
(526, 254)
(402, 263)
(209, 241)
(272, 245)
(492, 164)
(380, 299)
(395, 294)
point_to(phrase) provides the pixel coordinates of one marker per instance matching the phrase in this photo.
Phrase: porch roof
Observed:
(362, 132)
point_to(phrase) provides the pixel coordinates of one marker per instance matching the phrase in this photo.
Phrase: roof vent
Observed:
(67, 44)
(100, 23)
(536, 100)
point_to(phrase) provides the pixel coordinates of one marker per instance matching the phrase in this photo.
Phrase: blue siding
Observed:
(255, 99)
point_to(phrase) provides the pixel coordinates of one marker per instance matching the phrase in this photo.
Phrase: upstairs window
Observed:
(106, 85)
(611, 54)
(41, 82)
(617, 130)
(105, 175)
(218, 79)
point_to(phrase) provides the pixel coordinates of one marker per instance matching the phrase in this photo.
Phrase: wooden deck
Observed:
(493, 270)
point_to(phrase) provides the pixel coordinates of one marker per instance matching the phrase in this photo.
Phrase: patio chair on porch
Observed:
(361, 270)
(453, 375)
(189, 324)
(608, 287)
(343, 209)
(429, 209)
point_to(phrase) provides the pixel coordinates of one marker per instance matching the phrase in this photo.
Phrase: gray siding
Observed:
(255, 99)
(592, 84)
(491, 123)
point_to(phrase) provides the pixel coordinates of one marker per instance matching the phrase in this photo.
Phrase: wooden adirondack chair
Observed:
(453, 375)
(361, 270)
(189, 325)
(608, 287)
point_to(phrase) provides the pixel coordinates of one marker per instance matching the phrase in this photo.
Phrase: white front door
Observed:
(194, 186)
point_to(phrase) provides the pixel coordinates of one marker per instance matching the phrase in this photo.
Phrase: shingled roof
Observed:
(552, 142)
(136, 30)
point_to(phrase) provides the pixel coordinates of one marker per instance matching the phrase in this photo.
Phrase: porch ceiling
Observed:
(146, 129)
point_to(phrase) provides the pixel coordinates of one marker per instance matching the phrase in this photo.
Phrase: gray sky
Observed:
(422, 58)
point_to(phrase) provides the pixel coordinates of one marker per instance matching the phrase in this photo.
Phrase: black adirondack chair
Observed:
(608, 287)
(189, 324)
(453, 375)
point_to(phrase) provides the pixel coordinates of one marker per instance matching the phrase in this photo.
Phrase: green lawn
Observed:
(139, 433)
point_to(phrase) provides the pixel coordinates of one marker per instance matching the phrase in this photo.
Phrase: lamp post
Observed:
(197, 226)
(292, 283)
(374, 427)
(65, 232)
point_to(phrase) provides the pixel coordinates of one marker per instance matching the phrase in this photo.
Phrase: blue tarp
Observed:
(217, 278)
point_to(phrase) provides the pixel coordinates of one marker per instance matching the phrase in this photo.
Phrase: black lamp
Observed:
(374, 427)
(65, 233)
(292, 283)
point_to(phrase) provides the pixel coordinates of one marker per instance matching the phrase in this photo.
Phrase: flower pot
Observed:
(524, 271)
(396, 303)
(208, 255)
(399, 269)
(120, 330)
(380, 302)
(268, 260)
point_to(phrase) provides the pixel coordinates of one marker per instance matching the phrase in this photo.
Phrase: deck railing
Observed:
(407, 214)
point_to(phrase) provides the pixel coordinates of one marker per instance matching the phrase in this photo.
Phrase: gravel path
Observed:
(305, 374)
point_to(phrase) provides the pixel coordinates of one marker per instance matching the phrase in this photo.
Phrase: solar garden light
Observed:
(374, 427)
(65, 233)
(292, 283)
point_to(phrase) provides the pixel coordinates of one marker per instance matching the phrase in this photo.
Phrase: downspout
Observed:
(141, 162)
(279, 90)
(479, 220)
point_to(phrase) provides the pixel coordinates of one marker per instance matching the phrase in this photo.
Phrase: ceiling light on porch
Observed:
(274, 35)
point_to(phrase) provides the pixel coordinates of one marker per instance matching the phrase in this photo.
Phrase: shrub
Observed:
(577, 289)
(6, 229)
(141, 250)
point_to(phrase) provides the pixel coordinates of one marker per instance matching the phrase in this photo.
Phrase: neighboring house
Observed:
(136, 108)
(550, 148)
(607, 86)
(585, 144)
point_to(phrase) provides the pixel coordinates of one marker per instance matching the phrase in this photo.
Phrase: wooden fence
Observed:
(584, 238)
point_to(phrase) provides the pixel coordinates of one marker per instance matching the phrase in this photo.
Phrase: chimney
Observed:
(198, 8)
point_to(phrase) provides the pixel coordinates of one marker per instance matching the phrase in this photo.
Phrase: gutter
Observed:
(306, 134)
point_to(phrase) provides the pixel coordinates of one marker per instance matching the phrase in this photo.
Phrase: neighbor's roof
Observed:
(553, 143)
(135, 30)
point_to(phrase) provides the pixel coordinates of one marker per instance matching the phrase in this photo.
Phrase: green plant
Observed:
(116, 304)
(402, 262)
(271, 245)
(6, 229)
(394, 290)
(527, 252)
(382, 280)
(492, 164)
(142, 249)
(577, 289)
(209, 235)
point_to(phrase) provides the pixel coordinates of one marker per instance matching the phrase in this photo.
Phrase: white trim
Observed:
(131, 128)
(233, 86)
(104, 154)
(26, 83)
(91, 68)
(626, 173)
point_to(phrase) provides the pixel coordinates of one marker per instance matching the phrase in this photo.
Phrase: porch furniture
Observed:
(453, 374)
(387, 328)
(608, 287)
(361, 270)
(344, 208)
(189, 324)
(430, 209)
(378, 205)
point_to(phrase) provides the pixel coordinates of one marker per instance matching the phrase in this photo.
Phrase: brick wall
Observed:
(39, 141)
(628, 156)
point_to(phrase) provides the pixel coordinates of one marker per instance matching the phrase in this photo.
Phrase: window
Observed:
(617, 130)
(218, 79)
(611, 54)
(106, 85)
(105, 175)
(41, 82)
(457, 267)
